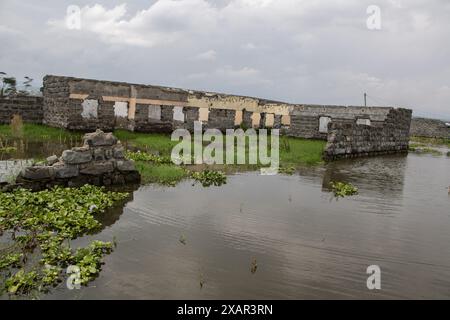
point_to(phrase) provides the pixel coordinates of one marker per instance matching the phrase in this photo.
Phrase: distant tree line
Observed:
(9, 86)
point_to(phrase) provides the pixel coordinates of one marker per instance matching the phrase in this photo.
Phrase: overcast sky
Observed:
(290, 50)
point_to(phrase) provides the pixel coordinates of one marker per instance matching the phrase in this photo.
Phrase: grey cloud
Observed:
(296, 51)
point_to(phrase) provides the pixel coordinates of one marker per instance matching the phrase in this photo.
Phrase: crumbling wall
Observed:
(29, 107)
(346, 140)
(305, 119)
(430, 128)
(84, 104)
(89, 104)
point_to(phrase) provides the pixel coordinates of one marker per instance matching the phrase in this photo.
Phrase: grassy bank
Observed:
(430, 141)
(428, 145)
(293, 151)
(37, 132)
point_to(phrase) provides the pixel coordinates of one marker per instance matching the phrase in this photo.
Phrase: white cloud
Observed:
(164, 22)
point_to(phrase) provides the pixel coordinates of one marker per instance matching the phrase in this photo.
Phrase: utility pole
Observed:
(365, 99)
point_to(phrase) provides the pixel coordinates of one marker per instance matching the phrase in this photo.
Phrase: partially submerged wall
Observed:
(430, 128)
(346, 140)
(311, 121)
(29, 107)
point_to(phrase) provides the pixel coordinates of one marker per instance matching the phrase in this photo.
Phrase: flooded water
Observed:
(27, 151)
(189, 242)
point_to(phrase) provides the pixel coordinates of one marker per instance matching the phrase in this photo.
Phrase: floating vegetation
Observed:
(48, 220)
(286, 170)
(182, 239)
(144, 156)
(253, 266)
(10, 260)
(208, 177)
(202, 281)
(342, 189)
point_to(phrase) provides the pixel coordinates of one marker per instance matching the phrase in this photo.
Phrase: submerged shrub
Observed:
(342, 189)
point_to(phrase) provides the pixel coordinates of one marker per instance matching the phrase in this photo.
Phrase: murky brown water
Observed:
(306, 244)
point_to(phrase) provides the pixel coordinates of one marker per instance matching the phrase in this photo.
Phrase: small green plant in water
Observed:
(21, 281)
(342, 189)
(10, 260)
(286, 170)
(208, 178)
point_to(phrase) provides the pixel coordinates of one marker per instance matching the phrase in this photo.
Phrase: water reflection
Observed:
(26, 149)
(305, 245)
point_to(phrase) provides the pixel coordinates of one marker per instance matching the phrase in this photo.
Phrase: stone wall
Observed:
(100, 161)
(305, 119)
(84, 104)
(430, 128)
(346, 140)
(29, 107)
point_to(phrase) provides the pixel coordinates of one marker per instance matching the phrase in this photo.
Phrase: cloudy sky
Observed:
(315, 51)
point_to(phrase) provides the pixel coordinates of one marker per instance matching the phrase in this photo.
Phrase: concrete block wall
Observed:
(29, 107)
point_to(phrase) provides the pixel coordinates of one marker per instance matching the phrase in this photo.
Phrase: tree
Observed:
(27, 86)
(8, 85)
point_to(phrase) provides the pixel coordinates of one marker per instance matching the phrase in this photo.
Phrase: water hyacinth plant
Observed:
(342, 189)
(208, 178)
(47, 221)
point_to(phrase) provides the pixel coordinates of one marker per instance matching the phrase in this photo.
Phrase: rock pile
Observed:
(100, 161)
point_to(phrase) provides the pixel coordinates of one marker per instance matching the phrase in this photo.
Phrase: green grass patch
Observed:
(430, 141)
(293, 151)
(167, 174)
(421, 149)
(38, 132)
(151, 142)
(296, 151)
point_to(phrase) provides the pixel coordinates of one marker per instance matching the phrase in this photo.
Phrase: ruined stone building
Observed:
(83, 104)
